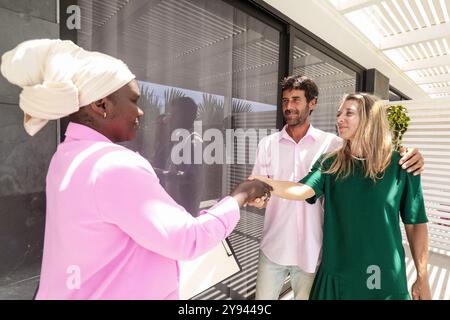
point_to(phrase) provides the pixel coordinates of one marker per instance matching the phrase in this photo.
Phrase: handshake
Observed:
(252, 192)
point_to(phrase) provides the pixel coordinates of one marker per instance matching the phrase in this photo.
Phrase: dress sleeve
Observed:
(316, 180)
(412, 206)
(131, 197)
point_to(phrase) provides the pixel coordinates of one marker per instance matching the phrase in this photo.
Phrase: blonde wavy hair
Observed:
(372, 139)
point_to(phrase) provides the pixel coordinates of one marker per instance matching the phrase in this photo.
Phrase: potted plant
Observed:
(398, 123)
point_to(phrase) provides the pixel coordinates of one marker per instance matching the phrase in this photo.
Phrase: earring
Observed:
(104, 115)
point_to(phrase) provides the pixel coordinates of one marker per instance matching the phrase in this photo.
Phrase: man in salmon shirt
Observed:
(112, 232)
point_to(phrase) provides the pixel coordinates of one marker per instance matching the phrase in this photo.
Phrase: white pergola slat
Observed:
(433, 79)
(425, 63)
(439, 31)
(413, 34)
(438, 90)
(353, 5)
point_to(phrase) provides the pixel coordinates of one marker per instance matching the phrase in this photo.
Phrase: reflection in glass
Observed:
(217, 57)
(333, 79)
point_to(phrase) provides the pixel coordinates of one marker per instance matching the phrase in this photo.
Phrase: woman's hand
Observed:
(260, 203)
(249, 191)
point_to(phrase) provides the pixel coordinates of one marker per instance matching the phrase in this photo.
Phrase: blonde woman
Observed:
(365, 195)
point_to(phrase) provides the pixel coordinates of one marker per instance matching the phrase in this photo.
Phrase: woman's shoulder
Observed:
(395, 155)
(395, 158)
(118, 157)
(396, 169)
(325, 160)
(329, 157)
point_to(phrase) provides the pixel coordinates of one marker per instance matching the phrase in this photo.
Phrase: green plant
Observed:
(398, 123)
(149, 101)
(170, 95)
(239, 106)
(210, 110)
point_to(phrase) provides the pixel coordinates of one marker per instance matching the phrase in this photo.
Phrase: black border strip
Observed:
(399, 93)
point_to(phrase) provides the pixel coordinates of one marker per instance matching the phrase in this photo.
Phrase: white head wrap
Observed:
(58, 77)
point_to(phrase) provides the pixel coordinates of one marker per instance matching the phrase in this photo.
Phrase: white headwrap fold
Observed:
(58, 77)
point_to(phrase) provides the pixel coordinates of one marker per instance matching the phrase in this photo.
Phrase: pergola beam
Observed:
(353, 5)
(412, 37)
(437, 90)
(425, 63)
(433, 79)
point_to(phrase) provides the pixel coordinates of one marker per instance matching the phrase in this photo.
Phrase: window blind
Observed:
(429, 130)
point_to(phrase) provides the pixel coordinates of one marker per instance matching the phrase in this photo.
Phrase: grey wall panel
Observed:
(24, 160)
(15, 28)
(23, 165)
(41, 9)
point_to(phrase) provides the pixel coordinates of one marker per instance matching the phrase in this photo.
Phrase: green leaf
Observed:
(398, 123)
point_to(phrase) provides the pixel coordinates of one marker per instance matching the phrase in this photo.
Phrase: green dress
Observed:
(362, 254)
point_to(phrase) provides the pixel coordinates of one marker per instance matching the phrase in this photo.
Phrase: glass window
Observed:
(210, 70)
(333, 79)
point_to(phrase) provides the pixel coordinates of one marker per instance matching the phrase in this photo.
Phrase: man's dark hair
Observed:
(301, 83)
